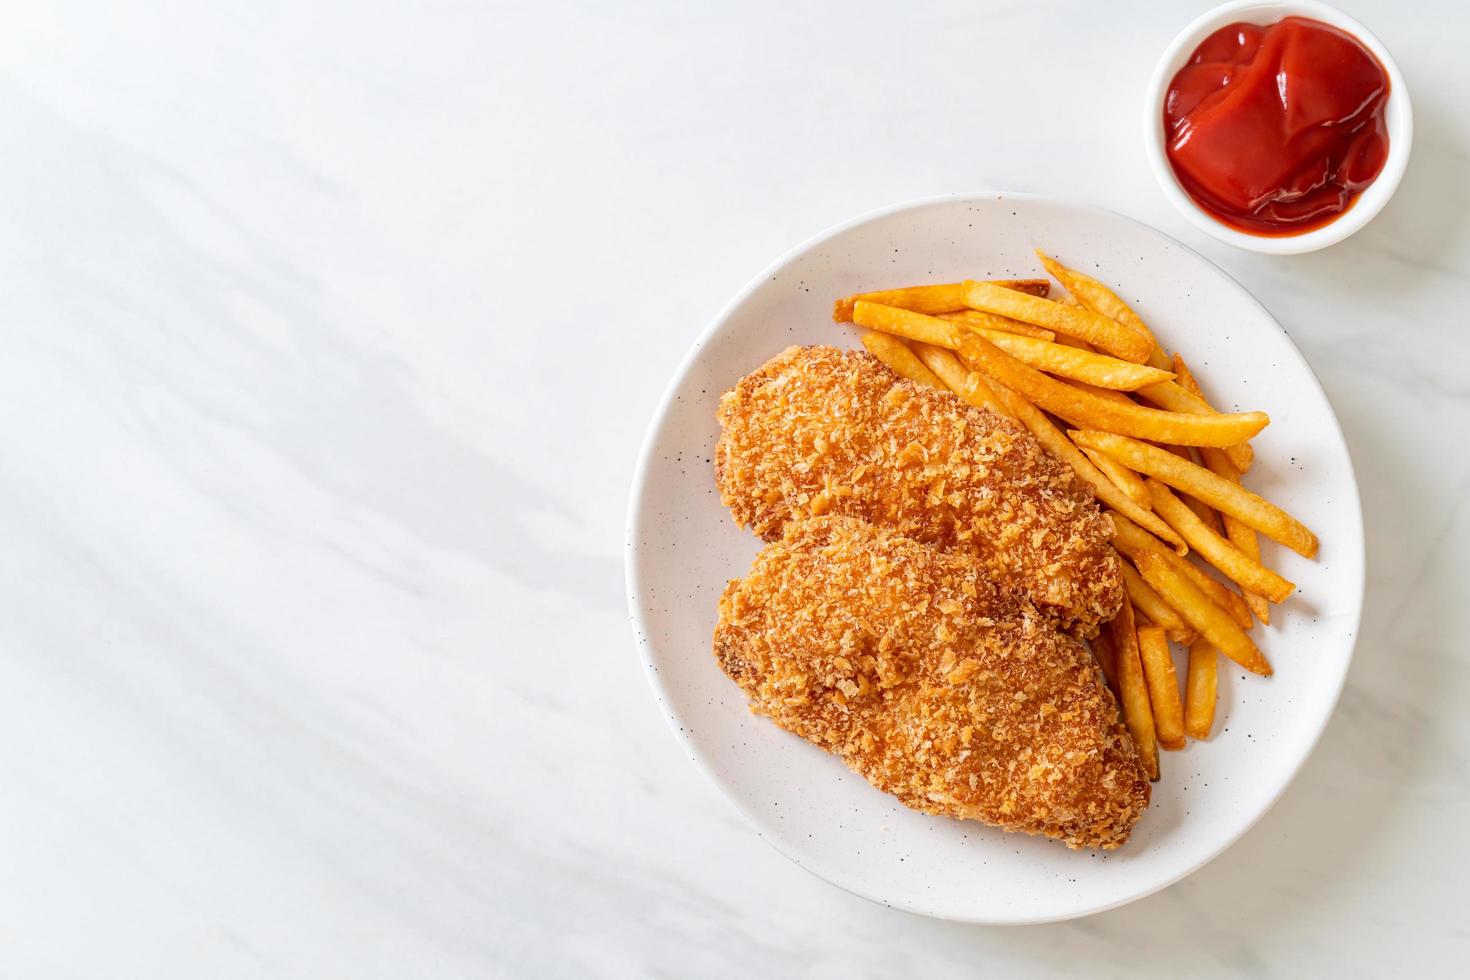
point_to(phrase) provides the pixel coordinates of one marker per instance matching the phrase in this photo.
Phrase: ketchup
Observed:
(1277, 130)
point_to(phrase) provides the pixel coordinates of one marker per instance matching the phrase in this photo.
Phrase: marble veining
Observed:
(331, 334)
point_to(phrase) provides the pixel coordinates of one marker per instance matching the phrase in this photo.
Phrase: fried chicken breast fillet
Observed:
(932, 682)
(821, 431)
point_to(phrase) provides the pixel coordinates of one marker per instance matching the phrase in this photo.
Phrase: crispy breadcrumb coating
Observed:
(821, 431)
(932, 682)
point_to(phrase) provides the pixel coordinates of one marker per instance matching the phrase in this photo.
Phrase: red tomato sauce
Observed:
(1276, 130)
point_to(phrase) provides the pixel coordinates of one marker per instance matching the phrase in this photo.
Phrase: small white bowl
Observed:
(1398, 116)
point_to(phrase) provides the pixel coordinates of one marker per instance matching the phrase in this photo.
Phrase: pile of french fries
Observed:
(1087, 377)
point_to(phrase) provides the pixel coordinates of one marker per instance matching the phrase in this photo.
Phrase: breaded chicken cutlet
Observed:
(821, 431)
(932, 682)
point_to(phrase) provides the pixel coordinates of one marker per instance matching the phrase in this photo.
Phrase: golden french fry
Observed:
(1219, 594)
(1216, 550)
(937, 298)
(908, 324)
(1152, 605)
(1200, 686)
(1195, 480)
(1205, 513)
(1080, 407)
(1107, 659)
(1228, 601)
(1097, 369)
(1055, 442)
(1212, 518)
(1121, 476)
(1070, 362)
(1241, 456)
(971, 386)
(1062, 338)
(1239, 534)
(1245, 539)
(1074, 321)
(1137, 713)
(1004, 324)
(1163, 687)
(1184, 377)
(1116, 397)
(1171, 397)
(1129, 538)
(1201, 509)
(1212, 622)
(900, 360)
(1102, 300)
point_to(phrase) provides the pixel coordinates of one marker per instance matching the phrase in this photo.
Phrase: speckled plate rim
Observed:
(635, 588)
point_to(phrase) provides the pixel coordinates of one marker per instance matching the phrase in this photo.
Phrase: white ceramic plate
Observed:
(683, 546)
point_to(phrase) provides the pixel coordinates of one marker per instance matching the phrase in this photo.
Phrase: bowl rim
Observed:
(635, 586)
(1399, 117)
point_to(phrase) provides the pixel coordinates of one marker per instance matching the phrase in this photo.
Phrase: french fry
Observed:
(1211, 622)
(1163, 687)
(1241, 456)
(1065, 361)
(1116, 397)
(1129, 538)
(1228, 601)
(1097, 369)
(1107, 659)
(1055, 442)
(1239, 534)
(1179, 451)
(1195, 480)
(1121, 476)
(1062, 338)
(900, 360)
(1201, 509)
(1184, 377)
(1216, 550)
(1245, 539)
(971, 386)
(1074, 321)
(1212, 518)
(908, 324)
(1152, 605)
(1137, 712)
(1078, 406)
(1200, 686)
(1173, 398)
(1219, 593)
(1100, 299)
(1205, 513)
(1004, 324)
(937, 298)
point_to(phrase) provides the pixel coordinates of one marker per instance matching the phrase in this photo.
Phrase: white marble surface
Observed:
(331, 330)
